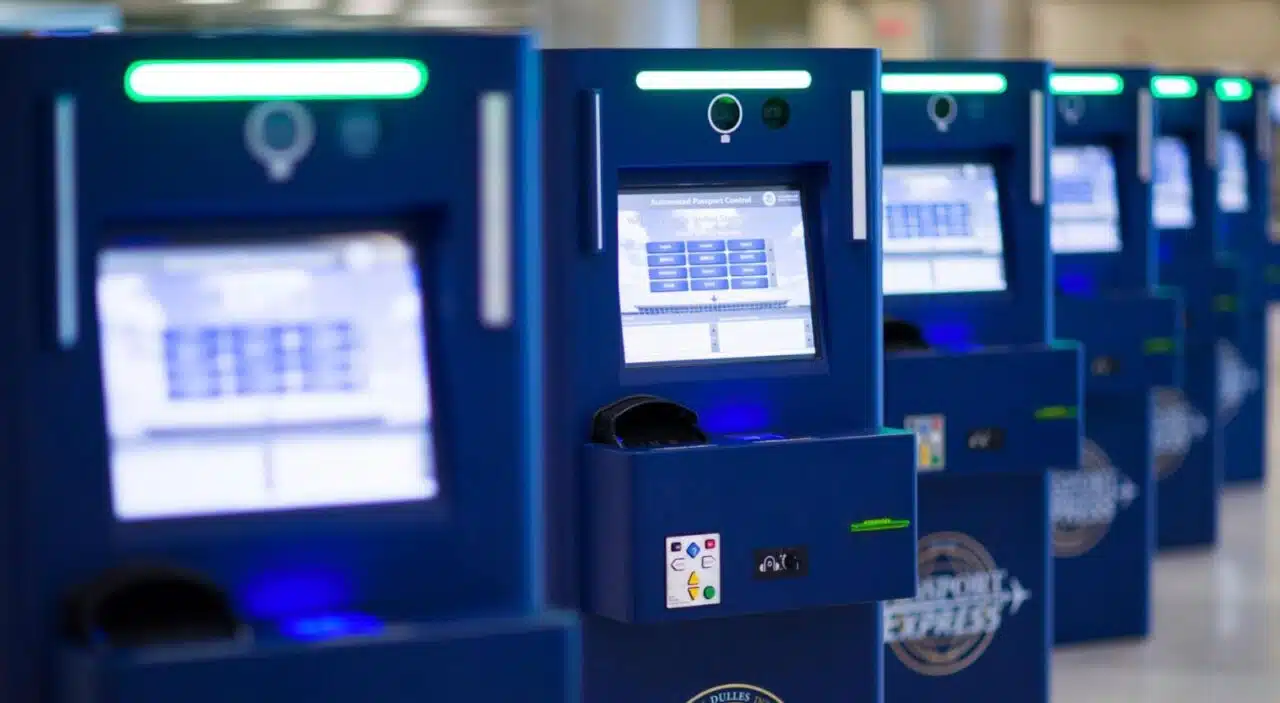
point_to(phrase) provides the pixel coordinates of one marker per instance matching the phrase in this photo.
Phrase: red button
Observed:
(711, 544)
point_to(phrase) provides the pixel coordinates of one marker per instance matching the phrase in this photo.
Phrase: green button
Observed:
(709, 592)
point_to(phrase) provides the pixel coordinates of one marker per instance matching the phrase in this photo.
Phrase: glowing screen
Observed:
(1171, 200)
(1233, 174)
(1085, 211)
(713, 275)
(942, 230)
(264, 377)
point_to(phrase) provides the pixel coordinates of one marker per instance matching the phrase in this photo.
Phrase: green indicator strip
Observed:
(1057, 412)
(1224, 303)
(1159, 345)
(883, 524)
(240, 80)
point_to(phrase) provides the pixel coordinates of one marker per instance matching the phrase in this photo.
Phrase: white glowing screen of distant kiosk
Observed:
(1171, 199)
(713, 275)
(1233, 174)
(266, 377)
(942, 230)
(1085, 212)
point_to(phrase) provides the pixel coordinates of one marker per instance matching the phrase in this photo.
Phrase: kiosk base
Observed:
(1104, 510)
(518, 659)
(830, 654)
(981, 622)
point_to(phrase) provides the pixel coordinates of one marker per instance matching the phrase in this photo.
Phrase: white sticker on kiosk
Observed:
(693, 570)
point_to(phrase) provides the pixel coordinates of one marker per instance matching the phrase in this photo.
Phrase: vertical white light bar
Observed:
(496, 250)
(66, 228)
(858, 158)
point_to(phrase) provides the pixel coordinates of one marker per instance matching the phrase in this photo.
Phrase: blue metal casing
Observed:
(996, 402)
(796, 452)
(443, 588)
(1245, 243)
(1104, 511)
(1187, 434)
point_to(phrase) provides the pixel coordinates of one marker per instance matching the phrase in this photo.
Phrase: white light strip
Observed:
(858, 156)
(1212, 129)
(496, 266)
(1037, 147)
(66, 212)
(1146, 134)
(723, 80)
(270, 79)
(598, 155)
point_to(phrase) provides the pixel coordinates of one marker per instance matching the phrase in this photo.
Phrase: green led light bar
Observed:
(1057, 412)
(1234, 90)
(1086, 84)
(1174, 87)
(1159, 345)
(723, 80)
(931, 83)
(238, 80)
(883, 524)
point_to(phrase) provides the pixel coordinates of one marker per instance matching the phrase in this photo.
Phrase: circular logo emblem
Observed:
(958, 609)
(769, 199)
(735, 693)
(1175, 427)
(1086, 502)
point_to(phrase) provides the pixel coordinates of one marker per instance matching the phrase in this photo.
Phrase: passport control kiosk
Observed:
(1186, 432)
(280, 437)
(972, 369)
(726, 505)
(1105, 266)
(1244, 199)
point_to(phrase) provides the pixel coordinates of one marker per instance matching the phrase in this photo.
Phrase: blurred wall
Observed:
(1231, 34)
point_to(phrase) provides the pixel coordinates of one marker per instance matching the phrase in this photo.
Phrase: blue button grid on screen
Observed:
(708, 265)
(210, 362)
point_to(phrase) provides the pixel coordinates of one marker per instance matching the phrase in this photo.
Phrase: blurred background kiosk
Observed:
(973, 370)
(1105, 259)
(1185, 212)
(279, 435)
(1244, 199)
(726, 505)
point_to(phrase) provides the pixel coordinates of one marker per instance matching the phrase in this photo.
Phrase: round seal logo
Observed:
(735, 693)
(958, 609)
(1175, 427)
(1086, 502)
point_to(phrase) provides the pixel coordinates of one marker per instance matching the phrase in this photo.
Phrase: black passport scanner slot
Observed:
(900, 336)
(141, 606)
(646, 422)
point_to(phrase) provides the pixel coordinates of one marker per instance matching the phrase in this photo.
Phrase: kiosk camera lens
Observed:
(776, 113)
(725, 113)
(943, 107)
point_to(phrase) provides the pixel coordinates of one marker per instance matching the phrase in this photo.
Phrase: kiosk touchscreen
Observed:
(1244, 199)
(967, 272)
(713, 321)
(1104, 246)
(264, 378)
(1186, 432)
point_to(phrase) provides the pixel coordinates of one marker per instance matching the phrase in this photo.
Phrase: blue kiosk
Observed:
(973, 370)
(235, 476)
(726, 507)
(1244, 199)
(1105, 259)
(1186, 433)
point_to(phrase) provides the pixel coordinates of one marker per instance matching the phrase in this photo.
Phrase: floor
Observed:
(1217, 614)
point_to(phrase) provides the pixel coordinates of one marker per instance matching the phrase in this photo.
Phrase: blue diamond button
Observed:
(693, 550)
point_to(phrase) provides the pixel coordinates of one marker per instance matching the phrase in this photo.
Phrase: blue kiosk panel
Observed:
(967, 276)
(714, 316)
(1244, 198)
(1105, 259)
(261, 356)
(1185, 213)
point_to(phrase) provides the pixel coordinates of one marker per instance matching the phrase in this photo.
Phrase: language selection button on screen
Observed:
(693, 570)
